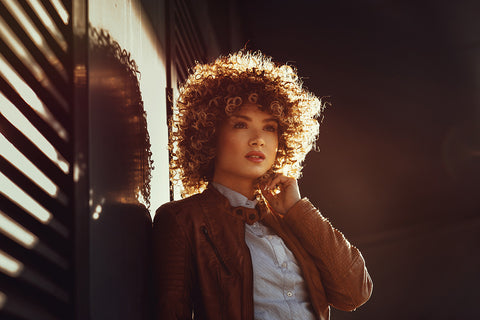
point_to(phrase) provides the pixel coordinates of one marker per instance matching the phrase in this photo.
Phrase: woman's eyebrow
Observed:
(240, 116)
(271, 120)
(250, 119)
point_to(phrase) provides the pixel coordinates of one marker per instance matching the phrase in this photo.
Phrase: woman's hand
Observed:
(289, 193)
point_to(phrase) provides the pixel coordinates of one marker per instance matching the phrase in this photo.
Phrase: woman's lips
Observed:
(255, 156)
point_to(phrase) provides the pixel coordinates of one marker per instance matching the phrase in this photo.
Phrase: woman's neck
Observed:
(246, 188)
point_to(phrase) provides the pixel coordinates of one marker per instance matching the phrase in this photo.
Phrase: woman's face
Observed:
(246, 146)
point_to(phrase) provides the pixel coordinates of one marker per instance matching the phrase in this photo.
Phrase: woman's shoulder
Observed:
(184, 206)
(177, 205)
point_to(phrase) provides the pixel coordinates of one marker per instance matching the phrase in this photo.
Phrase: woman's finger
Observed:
(281, 181)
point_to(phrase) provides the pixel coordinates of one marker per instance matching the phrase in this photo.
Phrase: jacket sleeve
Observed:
(172, 275)
(342, 268)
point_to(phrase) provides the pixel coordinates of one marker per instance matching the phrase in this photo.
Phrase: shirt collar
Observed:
(235, 198)
(250, 211)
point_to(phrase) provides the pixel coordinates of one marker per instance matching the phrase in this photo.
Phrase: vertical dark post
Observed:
(80, 205)
(169, 91)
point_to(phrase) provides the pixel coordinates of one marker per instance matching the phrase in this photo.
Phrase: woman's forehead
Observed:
(253, 110)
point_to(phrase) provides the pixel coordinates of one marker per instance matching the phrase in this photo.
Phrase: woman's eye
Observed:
(240, 125)
(271, 128)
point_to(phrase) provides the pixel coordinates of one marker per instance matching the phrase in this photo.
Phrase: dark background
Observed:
(398, 169)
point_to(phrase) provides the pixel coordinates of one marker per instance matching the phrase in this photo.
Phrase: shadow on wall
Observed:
(120, 162)
(120, 173)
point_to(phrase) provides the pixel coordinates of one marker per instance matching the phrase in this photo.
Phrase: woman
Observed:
(244, 245)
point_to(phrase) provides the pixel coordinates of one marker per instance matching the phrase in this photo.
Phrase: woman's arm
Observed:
(342, 267)
(172, 271)
(344, 274)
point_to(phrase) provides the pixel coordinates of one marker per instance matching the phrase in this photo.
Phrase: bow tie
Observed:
(248, 215)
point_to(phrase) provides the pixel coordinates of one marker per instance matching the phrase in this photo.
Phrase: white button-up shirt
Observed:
(279, 291)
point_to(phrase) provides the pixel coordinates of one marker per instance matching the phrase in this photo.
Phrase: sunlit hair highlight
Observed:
(217, 90)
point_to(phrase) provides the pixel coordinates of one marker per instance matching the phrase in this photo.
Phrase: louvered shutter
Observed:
(188, 46)
(185, 47)
(36, 160)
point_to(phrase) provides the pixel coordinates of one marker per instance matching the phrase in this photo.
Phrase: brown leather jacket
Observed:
(203, 269)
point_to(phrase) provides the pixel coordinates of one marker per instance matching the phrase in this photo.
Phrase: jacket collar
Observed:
(215, 199)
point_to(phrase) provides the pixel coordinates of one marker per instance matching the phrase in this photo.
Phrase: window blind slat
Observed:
(56, 18)
(37, 54)
(54, 206)
(46, 96)
(48, 235)
(34, 154)
(53, 272)
(27, 301)
(52, 43)
(40, 124)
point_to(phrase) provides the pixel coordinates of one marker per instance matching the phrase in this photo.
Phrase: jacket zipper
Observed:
(248, 298)
(207, 236)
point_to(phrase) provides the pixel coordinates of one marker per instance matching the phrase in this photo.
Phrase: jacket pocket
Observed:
(215, 250)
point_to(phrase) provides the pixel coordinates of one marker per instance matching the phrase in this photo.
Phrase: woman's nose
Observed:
(256, 141)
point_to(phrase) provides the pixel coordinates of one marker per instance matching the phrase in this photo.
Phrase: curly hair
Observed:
(118, 119)
(214, 91)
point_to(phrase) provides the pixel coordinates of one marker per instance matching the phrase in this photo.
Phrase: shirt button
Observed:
(270, 237)
(284, 265)
(289, 293)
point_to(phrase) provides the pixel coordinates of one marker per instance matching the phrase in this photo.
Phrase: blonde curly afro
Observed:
(215, 91)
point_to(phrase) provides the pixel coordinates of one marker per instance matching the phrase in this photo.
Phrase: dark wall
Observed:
(398, 169)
